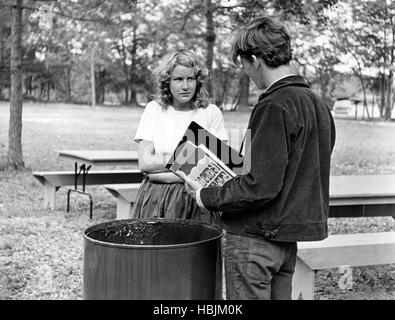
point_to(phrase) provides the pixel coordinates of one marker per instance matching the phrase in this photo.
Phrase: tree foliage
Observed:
(129, 37)
(122, 41)
(367, 37)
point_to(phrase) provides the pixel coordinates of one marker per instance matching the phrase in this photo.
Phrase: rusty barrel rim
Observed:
(221, 233)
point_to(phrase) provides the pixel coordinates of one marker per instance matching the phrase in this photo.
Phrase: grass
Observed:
(41, 250)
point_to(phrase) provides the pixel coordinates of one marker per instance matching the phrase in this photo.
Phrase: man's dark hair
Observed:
(265, 38)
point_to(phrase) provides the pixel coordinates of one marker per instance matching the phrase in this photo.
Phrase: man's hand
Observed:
(191, 186)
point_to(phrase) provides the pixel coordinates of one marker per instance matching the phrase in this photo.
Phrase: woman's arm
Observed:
(154, 164)
(149, 161)
(165, 177)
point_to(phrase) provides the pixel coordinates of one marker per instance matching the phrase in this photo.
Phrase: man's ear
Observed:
(255, 61)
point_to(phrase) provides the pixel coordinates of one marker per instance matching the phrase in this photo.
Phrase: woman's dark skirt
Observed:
(168, 200)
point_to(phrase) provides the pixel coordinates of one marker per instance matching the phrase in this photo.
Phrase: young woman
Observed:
(180, 99)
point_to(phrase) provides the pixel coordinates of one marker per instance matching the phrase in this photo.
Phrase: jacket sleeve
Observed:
(270, 126)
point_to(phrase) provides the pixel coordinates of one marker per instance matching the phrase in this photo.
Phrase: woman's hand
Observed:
(149, 160)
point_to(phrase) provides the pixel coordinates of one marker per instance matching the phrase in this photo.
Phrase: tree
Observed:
(91, 12)
(368, 37)
(14, 156)
(207, 22)
(5, 35)
(122, 47)
(316, 55)
(298, 15)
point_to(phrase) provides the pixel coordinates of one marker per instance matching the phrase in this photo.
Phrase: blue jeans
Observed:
(258, 269)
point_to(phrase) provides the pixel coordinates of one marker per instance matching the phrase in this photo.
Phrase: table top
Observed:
(362, 186)
(103, 157)
(362, 189)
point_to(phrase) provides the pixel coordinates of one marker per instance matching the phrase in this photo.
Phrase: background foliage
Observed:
(333, 40)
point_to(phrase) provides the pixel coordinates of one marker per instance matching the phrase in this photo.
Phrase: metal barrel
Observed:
(163, 259)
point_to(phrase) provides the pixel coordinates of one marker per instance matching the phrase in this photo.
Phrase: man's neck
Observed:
(272, 75)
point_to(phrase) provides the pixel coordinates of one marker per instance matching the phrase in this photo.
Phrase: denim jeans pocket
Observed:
(257, 263)
(255, 270)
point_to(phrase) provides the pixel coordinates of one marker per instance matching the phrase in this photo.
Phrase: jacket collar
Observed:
(291, 80)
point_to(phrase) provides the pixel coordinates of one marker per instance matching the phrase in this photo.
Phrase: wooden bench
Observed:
(351, 250)
(338, 208)
(53, 180)
(125, 195)
(350, 196)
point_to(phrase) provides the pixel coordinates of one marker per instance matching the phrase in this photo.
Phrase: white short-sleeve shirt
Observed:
(165, 128)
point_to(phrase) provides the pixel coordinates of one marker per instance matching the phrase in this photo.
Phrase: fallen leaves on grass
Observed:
(41, 259)
(368, 283)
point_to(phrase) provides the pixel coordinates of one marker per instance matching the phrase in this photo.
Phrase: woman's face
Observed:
(182, 86)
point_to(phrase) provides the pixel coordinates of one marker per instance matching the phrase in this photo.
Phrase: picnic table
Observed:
(101, 157)
(360, 196)
(349, 196)
(88, 158)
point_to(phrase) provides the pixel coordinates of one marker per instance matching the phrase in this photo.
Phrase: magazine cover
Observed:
(201, 165)
(198, 136)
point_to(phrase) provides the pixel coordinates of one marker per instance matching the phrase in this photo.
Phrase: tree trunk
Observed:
(68, 84)
(323, 87)
(29, 85)
(14, 156)
(382, 95)
(42, 89)
(48, 90)
(388, 104)
(210, 42)
(122, 52)
(93, 84)
(133, 95)
(1, 59)
(125, 102)
(132, 69)
(100, 86)
(102, 94)
(365, 102)
(244, 91)
(365, 106)
(68, 70)
(1, 46)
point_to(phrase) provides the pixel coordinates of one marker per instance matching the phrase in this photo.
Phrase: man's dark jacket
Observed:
(285, 195)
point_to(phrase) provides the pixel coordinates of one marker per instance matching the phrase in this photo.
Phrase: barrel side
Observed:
(127, 273)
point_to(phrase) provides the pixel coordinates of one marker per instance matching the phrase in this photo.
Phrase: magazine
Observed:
(198, 136)
(201, 165)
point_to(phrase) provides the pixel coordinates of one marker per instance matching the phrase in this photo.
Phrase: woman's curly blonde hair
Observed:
(162, 73)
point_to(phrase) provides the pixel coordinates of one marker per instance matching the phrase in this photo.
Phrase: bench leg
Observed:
(303, 282)
(123, 208)
(49, 196)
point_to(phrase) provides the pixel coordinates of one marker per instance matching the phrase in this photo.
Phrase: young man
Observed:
(284, 198)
